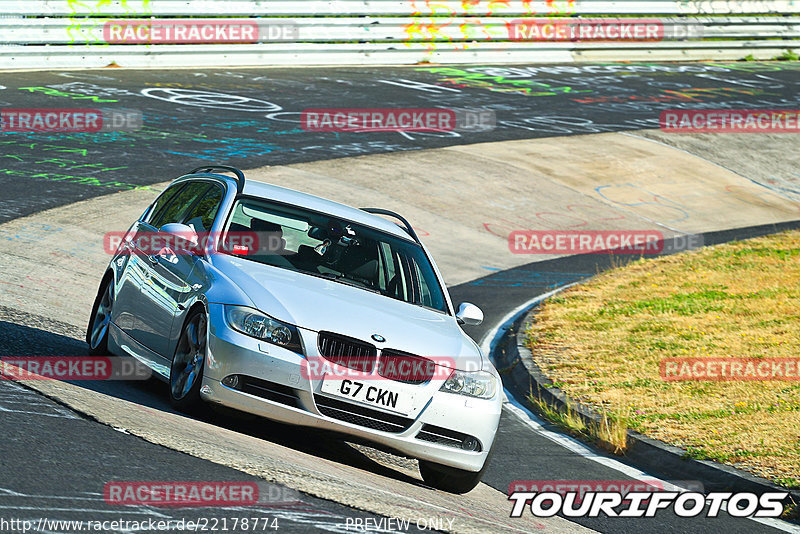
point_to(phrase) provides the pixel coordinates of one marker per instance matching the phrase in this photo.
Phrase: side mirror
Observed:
(185, 236)
(469, 314)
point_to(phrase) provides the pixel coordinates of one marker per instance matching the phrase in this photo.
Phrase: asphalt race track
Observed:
(251, 117)
(55, 460)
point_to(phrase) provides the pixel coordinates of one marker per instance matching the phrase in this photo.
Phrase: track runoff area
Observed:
(251, 118)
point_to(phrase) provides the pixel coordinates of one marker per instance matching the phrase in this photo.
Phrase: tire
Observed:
(186, 371)
(450, 479)
(100, 319)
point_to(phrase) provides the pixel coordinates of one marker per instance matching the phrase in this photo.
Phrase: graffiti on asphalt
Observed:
(581, 216)
(69, 178)
(210, 99)
(459, 78)
(91, 89)
(262, 124)
(73, 95)
(63, 163)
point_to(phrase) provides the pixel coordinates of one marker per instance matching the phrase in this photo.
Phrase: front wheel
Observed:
(451, 479)
(186, 372)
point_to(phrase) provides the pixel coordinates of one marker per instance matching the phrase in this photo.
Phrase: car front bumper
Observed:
(279, 389)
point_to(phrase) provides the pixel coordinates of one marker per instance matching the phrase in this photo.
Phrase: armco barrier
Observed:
(69, 33)
(262, 8)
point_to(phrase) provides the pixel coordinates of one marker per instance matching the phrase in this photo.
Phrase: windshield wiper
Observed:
(349, 281)
(342, 279)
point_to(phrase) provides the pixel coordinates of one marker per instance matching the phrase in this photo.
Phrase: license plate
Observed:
(373, 393)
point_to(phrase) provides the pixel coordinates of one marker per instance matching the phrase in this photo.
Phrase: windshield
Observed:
(317, 244)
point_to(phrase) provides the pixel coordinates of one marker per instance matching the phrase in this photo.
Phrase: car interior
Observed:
(323, 246)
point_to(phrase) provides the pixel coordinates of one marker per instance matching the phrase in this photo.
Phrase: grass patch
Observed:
(788, 55)
(567, 420)
(610, 432)
(602, 342)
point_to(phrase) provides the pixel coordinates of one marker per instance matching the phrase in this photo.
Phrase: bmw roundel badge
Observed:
(379, 338)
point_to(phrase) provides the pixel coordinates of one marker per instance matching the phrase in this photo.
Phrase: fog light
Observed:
(470, 444)
(231, 381)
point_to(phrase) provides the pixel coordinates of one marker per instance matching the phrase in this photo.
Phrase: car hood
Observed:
(318, 304)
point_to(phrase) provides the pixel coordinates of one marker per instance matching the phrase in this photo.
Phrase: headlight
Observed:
(256, 324)
(473, 384)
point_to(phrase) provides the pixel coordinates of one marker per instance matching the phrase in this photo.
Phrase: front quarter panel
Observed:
(207, 285)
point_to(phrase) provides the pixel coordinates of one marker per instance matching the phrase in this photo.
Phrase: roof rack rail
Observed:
(239, 174)
(408, 228)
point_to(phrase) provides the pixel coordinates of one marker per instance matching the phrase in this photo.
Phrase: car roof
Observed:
(267, 191)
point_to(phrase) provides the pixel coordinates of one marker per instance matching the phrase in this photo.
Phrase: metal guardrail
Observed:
(279, 54)
(437, 8)
(69, 33)
(390, 29)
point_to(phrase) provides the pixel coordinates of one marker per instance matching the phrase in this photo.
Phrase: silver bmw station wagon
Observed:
(298, 309)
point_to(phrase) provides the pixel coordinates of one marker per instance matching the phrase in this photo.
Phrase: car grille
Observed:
(347, 352)
(268, 390)
(407, 368)
(361, 416)
(450, 438)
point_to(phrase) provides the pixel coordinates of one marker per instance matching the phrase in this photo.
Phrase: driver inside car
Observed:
(271, 246)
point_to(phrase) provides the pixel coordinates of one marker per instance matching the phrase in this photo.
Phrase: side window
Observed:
(386, 273)
(162, 201)
(425, 292)
(201, 216)
(180, 204)
(402, 278)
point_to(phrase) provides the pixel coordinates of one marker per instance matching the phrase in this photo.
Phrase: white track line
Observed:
(488, 343)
